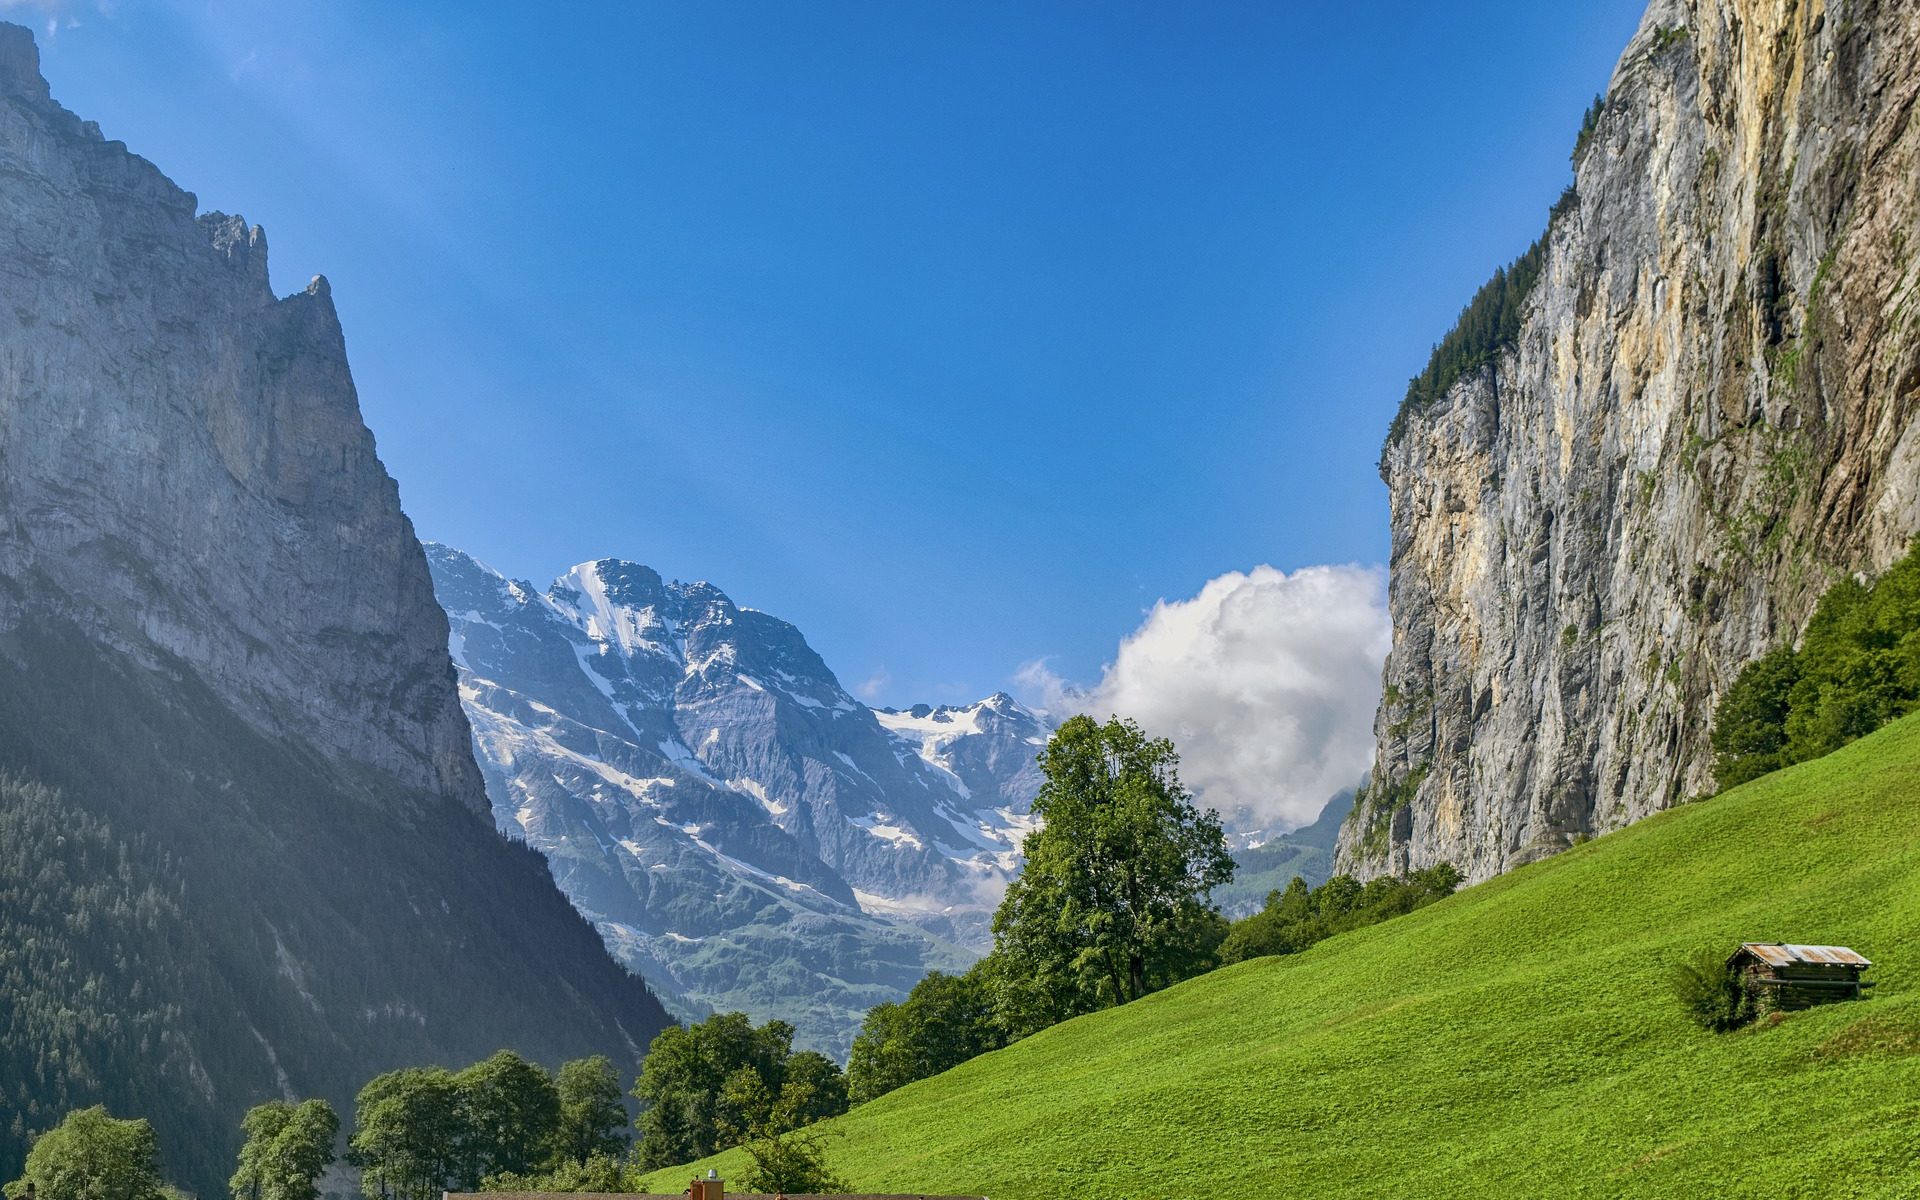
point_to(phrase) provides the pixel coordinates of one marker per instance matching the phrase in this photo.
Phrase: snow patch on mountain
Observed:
(692, 770)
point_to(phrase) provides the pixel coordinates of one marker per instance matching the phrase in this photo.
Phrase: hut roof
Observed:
(1775, 954)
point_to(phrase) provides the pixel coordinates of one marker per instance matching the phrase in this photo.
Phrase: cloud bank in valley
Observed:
(1266, 681)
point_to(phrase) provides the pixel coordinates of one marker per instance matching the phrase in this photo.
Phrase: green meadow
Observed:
(1517, 1039)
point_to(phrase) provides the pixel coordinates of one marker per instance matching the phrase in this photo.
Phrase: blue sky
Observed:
(958, 334)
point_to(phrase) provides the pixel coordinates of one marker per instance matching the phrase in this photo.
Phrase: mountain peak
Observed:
(20, 63)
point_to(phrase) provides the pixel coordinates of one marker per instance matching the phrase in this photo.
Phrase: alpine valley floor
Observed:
(1517, 1039)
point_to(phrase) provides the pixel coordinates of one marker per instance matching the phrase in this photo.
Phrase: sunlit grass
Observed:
(1518, 1039)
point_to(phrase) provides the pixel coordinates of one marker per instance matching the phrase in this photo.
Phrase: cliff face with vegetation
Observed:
(1703, 415)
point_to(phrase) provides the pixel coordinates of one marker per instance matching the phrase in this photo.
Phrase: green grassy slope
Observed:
(1518, 1039)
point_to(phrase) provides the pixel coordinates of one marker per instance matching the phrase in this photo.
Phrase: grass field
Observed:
(1518, 1039)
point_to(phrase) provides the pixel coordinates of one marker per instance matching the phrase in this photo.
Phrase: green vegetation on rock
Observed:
(1490, 323)
(1857, 667)
(1519, 1038)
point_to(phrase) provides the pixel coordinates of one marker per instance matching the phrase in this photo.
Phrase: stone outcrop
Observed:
(1707, 416)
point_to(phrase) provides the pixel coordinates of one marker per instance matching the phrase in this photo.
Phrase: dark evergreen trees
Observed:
(1488, 325)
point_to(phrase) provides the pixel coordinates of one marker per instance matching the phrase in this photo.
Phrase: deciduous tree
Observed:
(943, 1022)
(1114, 899)
(592, 1118)
(509, 1116)
(286, 1150)
(92, 1156)
(407, 1134)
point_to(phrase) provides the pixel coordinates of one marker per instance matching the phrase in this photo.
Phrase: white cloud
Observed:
(1266, 681)
(59, 13)
(873, 686)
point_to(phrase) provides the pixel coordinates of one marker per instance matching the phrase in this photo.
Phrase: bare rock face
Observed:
(156, 399)
(244, 849)
(1708, 416)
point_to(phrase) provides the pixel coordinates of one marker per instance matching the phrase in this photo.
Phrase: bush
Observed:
(794, 1163)
(1712, 992)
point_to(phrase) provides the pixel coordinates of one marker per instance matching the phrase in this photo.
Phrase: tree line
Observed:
(501, 1124)
(1114, 902)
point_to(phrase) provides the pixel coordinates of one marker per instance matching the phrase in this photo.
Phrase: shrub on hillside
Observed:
(1857, 667)
(1712, 992)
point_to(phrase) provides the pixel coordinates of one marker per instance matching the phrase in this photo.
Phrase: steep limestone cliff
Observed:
(245, 850)
(182, 460)
(1707, 415)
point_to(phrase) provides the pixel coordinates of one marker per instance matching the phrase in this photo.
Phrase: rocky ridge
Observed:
(740, 828)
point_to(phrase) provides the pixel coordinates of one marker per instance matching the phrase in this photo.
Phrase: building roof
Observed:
(1775, 954)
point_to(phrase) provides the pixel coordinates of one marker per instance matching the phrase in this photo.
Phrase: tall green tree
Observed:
(92, 1156)
(286, 1150)
(1114, 899)
(407, 1134)
(509, 1112)
(592, 1118)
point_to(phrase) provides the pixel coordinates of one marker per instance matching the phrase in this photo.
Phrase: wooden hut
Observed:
(1794, 977)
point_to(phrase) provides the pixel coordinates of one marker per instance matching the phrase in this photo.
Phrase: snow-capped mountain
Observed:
(987, 750)
(741, 829)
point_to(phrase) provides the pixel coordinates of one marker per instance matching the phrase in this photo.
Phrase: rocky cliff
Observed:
(246, 851)
(1706, 414)
(182, 459)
